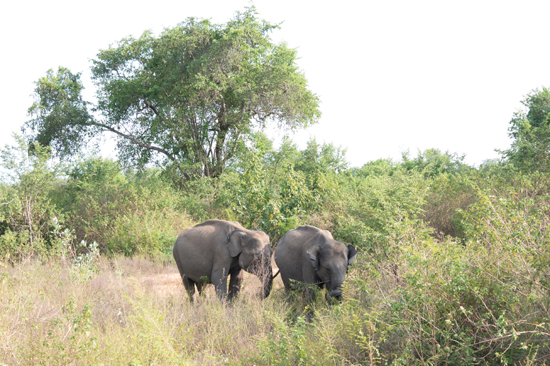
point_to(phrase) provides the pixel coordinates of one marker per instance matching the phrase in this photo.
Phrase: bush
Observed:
(26, 207)
(364, 210)
(125, 213)
(448, 197)
(482, 302)
(271, 205)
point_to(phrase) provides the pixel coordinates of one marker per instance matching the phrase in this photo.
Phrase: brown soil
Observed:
(169, 282)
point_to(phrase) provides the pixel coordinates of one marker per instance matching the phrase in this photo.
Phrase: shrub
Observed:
(257, 201)
(448, 197)
(125, 213)
(26, 208)
(364, 210)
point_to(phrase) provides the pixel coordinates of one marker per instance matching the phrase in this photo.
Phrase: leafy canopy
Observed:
(188, 99)
(432, 162)
(530, 131)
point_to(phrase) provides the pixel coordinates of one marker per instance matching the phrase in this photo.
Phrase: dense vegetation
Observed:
(454, 264)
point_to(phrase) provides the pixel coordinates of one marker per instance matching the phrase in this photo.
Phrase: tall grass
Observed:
(131, 311)
(436, 303)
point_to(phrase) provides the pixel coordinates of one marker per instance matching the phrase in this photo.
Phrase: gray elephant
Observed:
(215, 250)
(310, 255)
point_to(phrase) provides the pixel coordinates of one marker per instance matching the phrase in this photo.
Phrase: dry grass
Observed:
(133, 310)
(136, 312)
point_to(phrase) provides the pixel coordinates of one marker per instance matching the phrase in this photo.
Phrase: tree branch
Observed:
(134, 140)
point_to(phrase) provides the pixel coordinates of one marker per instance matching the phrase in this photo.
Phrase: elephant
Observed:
(212, 251)
(310, 255)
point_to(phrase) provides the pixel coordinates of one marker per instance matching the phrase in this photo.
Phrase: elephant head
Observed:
(331, 260)
(254, 255)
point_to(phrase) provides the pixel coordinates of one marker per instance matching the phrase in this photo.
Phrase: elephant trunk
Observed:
(336, 288)
(267, 281)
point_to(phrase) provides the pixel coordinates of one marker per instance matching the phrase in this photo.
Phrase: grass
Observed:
(135, 311)
(128, 311)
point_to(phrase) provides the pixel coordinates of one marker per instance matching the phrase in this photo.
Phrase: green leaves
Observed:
(433, 162)
(187, 99)
(270, 203)
(26, 210)
(530, 129)
(61, 116)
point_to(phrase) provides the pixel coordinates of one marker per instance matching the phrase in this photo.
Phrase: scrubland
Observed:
(454, 263)
(135, 311)
(124, 311)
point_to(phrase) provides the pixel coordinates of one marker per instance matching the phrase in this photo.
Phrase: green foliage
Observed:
(124, 213)
(464, 304)
(273, 160)
(365, 210)
(433, 162)
(76, 325)
(257, 201)
(199, 196)
(286, 345)
(62, 118)
(323, 158)
(454, 266)
(482, 302)
(377, 168)
(530, 131)
(449, 196)
(83, 257)
(121, 212)
(187, 99)
(86, 263)
(26, 209)
(514, 222)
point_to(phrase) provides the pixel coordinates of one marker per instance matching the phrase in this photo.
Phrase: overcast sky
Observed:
(391, 75)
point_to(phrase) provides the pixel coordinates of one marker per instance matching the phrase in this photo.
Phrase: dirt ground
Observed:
(169, 282)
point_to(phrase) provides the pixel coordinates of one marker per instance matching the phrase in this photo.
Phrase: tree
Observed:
(321, 157)
(380, 167)
(530, 131)
(26, 210)
(187, 99)
(432, 162)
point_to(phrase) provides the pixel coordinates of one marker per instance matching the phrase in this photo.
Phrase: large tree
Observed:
(188, 99)
(530, 131)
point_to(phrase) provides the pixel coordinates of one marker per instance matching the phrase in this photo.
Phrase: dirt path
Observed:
(169, 283)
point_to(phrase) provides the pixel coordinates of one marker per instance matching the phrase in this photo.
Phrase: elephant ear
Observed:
(234, 242)
(352, 254)
(313, 255)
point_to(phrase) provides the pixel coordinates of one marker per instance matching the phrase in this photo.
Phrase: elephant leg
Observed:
(235, 283)
(219, 279)
(312, 283)
(189, 287)
(286, 282)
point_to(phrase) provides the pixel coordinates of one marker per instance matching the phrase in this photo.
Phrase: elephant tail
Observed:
(276, 274)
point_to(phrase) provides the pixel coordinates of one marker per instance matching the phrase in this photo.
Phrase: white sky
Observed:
(391, 75)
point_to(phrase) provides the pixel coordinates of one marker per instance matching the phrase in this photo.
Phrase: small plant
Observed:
(86, 264)
(68, 337)
(286, 345)
(205, 279)
(62, 241)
